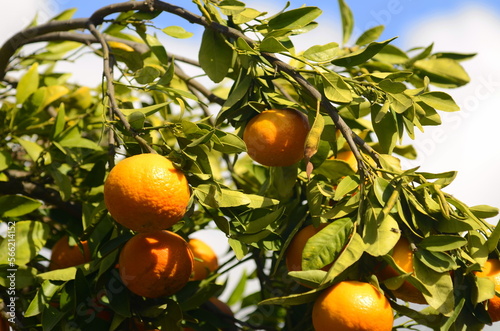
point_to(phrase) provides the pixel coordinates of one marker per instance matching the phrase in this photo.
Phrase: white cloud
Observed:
(21, 13)
(466, 140)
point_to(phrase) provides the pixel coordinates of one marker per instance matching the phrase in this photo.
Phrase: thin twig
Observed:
(110, 88)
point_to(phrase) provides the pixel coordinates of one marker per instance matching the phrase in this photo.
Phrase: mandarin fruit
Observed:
(155, 264)
(352, 305)
(64, 255)
(276, 137)
(205, 259)
(146, 192)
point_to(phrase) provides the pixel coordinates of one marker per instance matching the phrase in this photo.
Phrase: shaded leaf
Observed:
(215, 55)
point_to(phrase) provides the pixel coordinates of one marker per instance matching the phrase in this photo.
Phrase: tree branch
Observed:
(110, 87)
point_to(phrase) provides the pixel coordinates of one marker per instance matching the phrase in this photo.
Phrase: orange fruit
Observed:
(352, 305)
(491, 269)
(403, 256)
(293, 255)
(276, 137)
(146, 192)
(347, 156)
(155, 264)
(64, 255)
(205, 261)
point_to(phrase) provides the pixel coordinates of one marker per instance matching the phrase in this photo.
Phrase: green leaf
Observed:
(335, 88)
(322, 53)
(493, 239)
(350, 255)
(272, 45)
(370, 35)
(177, 32)
(347, 21)
(484, 211)
(228, 143)
(439, 286)
(261, 223)
(17, 205)
(5, 159)
(392, 87)
(147, 111)
(247, 15)
(361, 56)
(386, 130)
(346, 185)
(65, 15)
(42, 298)
(437, 261)
(324, 247)
(215, 55)
(28, 84)
(381, 233)
(334, 169)
(443, 72)
(28, 236)
(62, 181)
(484, 290)
(147, 75)
(238, 248)
(439, 100)
(60, 122)
(294, 19)
(239, 289)
(391, 54)
(442, 243)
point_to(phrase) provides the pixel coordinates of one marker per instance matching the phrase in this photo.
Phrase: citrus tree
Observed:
(294, 155)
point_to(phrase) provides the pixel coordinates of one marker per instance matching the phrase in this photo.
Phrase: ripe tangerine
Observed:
(155, 264)
(352, 305)
(146, 192)
(276, 137)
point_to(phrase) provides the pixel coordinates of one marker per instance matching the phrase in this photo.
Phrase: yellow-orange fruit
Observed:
(205, 259)
(146, 192)
(352, 305)
(155, 264)
(64, 255)
(403, 256)
(491, 269)
(276, 137)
